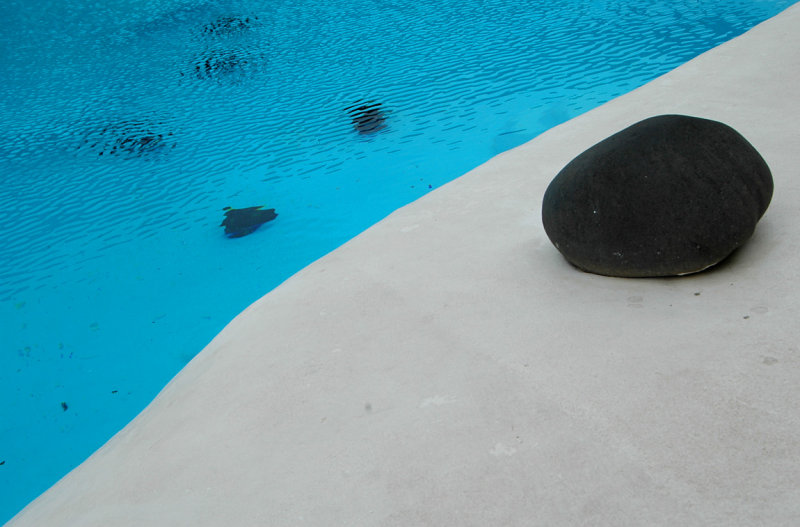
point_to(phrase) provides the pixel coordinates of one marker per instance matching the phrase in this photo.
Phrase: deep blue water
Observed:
(127, 125)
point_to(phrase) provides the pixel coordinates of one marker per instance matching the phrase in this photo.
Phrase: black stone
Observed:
(670, 195)
(241, 222)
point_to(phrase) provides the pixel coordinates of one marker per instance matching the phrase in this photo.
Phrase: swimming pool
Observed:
(124, 139)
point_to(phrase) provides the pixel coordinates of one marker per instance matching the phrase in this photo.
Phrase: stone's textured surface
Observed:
(669, 195)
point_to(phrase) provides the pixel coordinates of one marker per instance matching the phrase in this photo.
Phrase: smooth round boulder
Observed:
(670, 195)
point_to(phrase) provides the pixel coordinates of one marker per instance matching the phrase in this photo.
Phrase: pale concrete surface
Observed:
(447, 367)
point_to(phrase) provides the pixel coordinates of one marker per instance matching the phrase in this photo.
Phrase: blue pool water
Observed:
(127, 125)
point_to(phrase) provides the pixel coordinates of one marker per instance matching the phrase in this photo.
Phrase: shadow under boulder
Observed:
(670, 195)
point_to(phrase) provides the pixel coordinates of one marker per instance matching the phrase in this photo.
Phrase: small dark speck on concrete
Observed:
(697, 293)
(368, 407)
(64, 406)
(746, 317)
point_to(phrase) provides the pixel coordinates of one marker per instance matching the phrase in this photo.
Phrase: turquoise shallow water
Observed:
(125, 129)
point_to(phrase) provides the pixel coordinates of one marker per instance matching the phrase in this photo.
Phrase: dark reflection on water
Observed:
(367, 117)
(227, 25)
(129, 138)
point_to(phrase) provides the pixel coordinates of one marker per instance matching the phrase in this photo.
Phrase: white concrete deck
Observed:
(448, 367)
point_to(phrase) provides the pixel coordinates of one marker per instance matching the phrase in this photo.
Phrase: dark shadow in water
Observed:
(226, 66)
(229, 25)
(219, 65)
(128, 139)
(241, 222)
(367, 117)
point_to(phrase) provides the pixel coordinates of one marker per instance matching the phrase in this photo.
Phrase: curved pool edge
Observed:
(447, 366)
